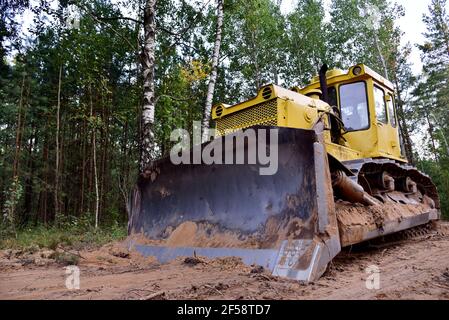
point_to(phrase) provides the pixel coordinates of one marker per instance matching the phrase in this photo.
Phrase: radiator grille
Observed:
(265, 114)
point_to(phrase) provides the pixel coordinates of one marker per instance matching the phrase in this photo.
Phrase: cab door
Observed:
(387, 131)
(393, 134)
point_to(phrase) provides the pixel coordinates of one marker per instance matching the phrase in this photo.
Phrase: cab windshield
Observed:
(354, 106)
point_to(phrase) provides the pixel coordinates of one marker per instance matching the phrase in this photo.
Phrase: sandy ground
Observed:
(415, 268)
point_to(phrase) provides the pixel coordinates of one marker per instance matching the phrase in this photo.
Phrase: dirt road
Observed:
(410, 269)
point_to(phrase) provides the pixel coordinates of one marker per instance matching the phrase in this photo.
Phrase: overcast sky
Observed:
(411, 24)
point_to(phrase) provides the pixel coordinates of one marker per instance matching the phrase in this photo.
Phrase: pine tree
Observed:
(432, 96)
(433, 91)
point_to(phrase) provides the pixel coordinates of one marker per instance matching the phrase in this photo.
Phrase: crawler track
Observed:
(418, 233)
(398, 172)
(406, 198)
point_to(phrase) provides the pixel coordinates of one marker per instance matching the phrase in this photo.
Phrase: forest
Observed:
(91, 91)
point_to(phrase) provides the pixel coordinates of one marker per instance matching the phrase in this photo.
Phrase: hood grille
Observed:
(264, 114)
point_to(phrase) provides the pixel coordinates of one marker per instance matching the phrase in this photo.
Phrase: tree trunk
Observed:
(147, 139)
(213, 76)
(43, 197)
(19, 131)
(11, 215)
(255, 60)
(432, 138)
(29, 190)
(58, 109)
(381, 56)
(94, 159)
(97, 197)
(83, 166)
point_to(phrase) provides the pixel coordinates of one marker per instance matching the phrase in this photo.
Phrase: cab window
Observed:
(381, 108)
(354, 106)
(391, 113)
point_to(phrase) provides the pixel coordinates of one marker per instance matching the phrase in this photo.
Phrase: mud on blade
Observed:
(285, 221)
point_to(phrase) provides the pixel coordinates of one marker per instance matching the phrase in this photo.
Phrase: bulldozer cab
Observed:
(366, 105)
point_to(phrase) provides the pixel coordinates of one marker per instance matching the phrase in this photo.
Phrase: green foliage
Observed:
(72, 232)
(353, 32)
(439, 172)
(307, 43)
(13, 196)
(432, 98)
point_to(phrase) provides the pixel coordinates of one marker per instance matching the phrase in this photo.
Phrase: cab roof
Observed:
(334, 76)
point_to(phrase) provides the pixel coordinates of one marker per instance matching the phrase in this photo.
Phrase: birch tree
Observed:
(148, 150)
(213, 75)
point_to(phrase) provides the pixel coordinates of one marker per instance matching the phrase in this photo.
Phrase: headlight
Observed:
(357, 71)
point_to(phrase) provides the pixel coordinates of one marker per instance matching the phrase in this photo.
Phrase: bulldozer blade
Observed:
(284, 222)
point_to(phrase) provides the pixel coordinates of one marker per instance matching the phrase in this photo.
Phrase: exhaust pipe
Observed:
(323, 83)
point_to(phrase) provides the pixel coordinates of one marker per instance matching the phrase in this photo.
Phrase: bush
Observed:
(439, 172)
(66, 259)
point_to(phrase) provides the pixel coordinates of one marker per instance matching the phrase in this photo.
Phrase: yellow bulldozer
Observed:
(340, 179)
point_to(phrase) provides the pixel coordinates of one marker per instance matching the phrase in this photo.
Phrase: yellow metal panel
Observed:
(342, 153)
(337, 76)
(295, 115)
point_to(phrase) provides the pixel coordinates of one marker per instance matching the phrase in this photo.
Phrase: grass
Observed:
(77, 235)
